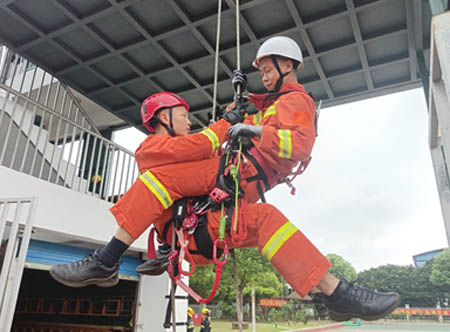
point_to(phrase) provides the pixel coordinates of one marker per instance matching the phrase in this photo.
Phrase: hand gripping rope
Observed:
(238, 232)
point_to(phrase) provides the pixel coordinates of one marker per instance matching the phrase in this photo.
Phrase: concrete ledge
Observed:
(64, 212)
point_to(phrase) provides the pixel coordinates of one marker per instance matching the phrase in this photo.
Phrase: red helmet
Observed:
(156, 102)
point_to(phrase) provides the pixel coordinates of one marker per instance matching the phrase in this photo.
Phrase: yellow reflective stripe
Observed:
(157, 189)
(212, 138)
(278, 239)
(257, 118)
(285, 143)
(271, 110)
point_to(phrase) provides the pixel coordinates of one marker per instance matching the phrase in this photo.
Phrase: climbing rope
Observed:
(175, 275)
(238, 40)
(173, 287)
(216, 61)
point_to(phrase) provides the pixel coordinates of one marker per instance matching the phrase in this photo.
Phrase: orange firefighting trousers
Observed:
(149, 200)
(297, 260)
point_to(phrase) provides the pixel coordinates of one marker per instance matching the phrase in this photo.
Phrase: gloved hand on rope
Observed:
(239, 79)
(237, 113)
(244, 130)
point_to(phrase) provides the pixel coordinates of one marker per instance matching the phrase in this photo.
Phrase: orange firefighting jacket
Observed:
(288, 133)
(185, 166)
(159, 150)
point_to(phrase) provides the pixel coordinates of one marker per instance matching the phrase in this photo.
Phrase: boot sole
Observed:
(341, 317)
(154, 272)
(101, 282)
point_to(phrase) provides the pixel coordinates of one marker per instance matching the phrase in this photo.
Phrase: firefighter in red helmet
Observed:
(282, 134)
(172, 104)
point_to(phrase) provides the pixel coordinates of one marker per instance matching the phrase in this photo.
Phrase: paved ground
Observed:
(399, 327)
(396, 327)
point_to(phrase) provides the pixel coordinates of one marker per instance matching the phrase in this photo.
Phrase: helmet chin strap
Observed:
(169, 128)
(280, 79)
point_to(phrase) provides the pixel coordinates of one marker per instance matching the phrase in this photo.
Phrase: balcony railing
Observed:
(45, 132)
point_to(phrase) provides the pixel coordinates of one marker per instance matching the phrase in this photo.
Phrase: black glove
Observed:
(244, 130)
(239, 79)
(237, 114)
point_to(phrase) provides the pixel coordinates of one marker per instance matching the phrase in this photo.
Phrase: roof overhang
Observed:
(117, 52)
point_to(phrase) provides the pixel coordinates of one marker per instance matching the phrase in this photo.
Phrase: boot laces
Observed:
(361, 294)
(85, 262)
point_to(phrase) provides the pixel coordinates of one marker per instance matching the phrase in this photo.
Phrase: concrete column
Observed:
(439, 110)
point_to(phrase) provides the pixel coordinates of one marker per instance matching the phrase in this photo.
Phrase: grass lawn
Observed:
(225, 326)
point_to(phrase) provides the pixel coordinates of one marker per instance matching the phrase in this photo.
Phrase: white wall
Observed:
(152, 303)
(65, 211)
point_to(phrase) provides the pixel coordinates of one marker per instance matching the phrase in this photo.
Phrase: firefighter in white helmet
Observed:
(282, 135)
(278, 49)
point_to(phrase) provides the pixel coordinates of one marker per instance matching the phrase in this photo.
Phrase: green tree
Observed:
(440, 270)
(341, 268)
(267, 285)
(412, 283)
(252, 267)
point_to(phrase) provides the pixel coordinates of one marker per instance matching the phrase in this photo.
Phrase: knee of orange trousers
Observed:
(188, 179)
(262, 219)
(133, 215)
(139, 207)
(300, 263)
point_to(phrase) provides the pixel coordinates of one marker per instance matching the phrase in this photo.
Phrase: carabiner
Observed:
(199, 208)
(188, 258)
(217, 261)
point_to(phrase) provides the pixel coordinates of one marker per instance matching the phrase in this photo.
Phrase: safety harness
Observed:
(189, 220)
(189, 216)
(263, 101)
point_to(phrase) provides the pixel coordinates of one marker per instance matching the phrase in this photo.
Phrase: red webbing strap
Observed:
(184, 252)
(151, 252)
(263, 101)
(190, 291)
(197, 297)
(300, 169)
(216, 284)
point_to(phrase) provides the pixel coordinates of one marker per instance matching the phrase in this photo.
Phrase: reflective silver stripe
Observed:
(157, 189)
(257, 118)
(212, 138)
(285, 143)
(271, 110)
(278, 239)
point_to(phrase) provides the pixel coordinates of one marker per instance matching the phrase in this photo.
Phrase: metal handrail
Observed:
(45, 133)
(71, 122)
(19, 214)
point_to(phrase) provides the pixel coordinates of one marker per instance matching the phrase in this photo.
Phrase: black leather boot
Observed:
(157, 265)
(319, 303)
(87, 271)
(350, 301)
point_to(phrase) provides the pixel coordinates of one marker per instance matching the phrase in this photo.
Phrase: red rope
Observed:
(219, 266)
(151, 252)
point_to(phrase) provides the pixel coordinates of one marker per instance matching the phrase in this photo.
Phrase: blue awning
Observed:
(47, 253)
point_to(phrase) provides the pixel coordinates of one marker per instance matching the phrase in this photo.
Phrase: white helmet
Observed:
(279, 45)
